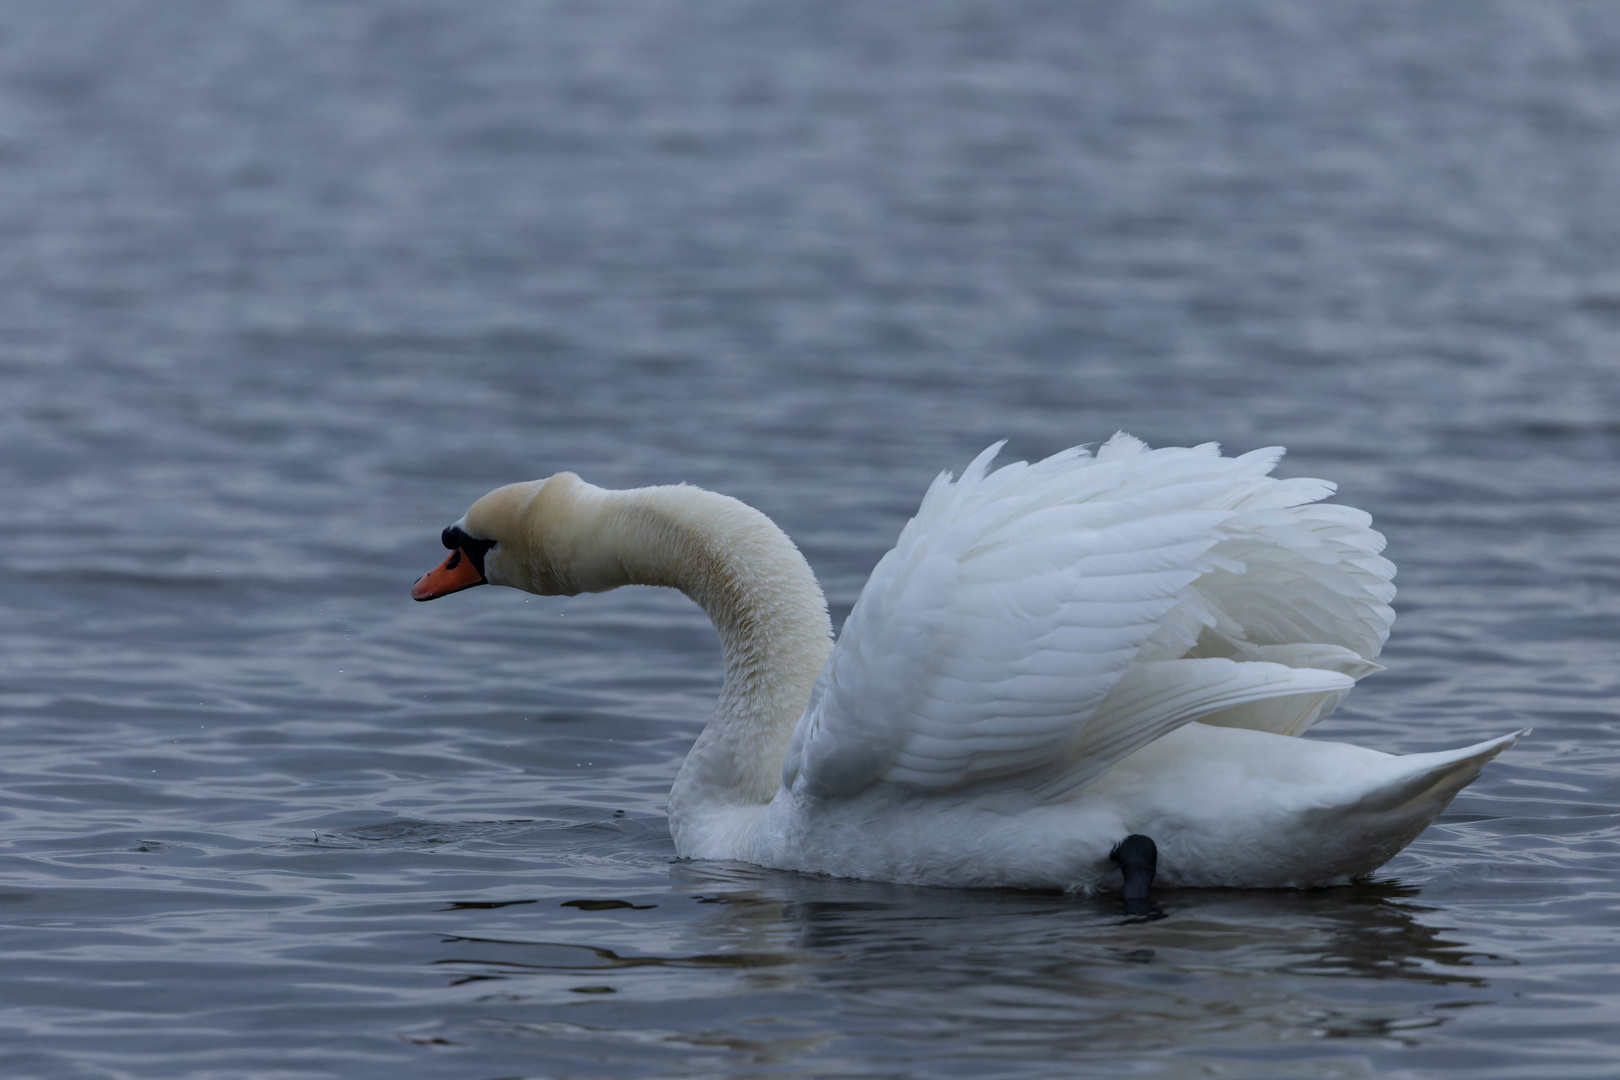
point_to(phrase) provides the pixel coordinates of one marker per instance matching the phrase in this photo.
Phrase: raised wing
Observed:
(1052, 618)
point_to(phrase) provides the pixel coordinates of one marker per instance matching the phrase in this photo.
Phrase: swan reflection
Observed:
(960, 975)
(995, 968)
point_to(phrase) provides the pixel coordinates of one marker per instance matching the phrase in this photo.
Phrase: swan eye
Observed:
(456, 539)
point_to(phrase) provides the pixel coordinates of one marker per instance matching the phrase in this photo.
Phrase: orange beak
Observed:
(454, 574)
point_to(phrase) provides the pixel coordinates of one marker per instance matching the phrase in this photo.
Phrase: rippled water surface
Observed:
(284, 286)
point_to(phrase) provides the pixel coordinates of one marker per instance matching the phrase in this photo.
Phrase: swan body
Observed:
(1053, 656)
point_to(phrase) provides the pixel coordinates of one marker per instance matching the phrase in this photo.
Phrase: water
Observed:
(284, 286)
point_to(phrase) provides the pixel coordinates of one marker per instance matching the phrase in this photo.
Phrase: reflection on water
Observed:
(948, 975)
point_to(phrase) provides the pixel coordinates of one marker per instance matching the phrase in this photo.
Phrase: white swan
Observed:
(1052, 657)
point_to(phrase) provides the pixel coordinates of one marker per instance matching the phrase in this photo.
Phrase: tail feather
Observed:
(1391, 815)
(1433, 779)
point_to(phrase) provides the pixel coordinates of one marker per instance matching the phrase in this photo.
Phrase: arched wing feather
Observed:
(1036, 618)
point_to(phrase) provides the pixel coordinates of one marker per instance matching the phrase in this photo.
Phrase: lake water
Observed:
(284, 286)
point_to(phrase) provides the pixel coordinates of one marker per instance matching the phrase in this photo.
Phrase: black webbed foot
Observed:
(1138, 858)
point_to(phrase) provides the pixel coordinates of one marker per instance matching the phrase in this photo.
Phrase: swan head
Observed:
(541, 536)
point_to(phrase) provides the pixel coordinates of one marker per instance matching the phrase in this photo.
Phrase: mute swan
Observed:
(1052, 658)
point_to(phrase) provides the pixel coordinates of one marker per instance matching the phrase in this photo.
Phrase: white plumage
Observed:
(1054, 655)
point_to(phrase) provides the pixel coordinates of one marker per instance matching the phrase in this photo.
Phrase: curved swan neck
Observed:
(763, 600)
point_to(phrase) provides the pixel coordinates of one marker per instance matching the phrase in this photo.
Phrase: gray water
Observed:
(284, 286)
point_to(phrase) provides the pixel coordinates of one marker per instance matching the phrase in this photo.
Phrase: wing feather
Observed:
(1053, 617)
